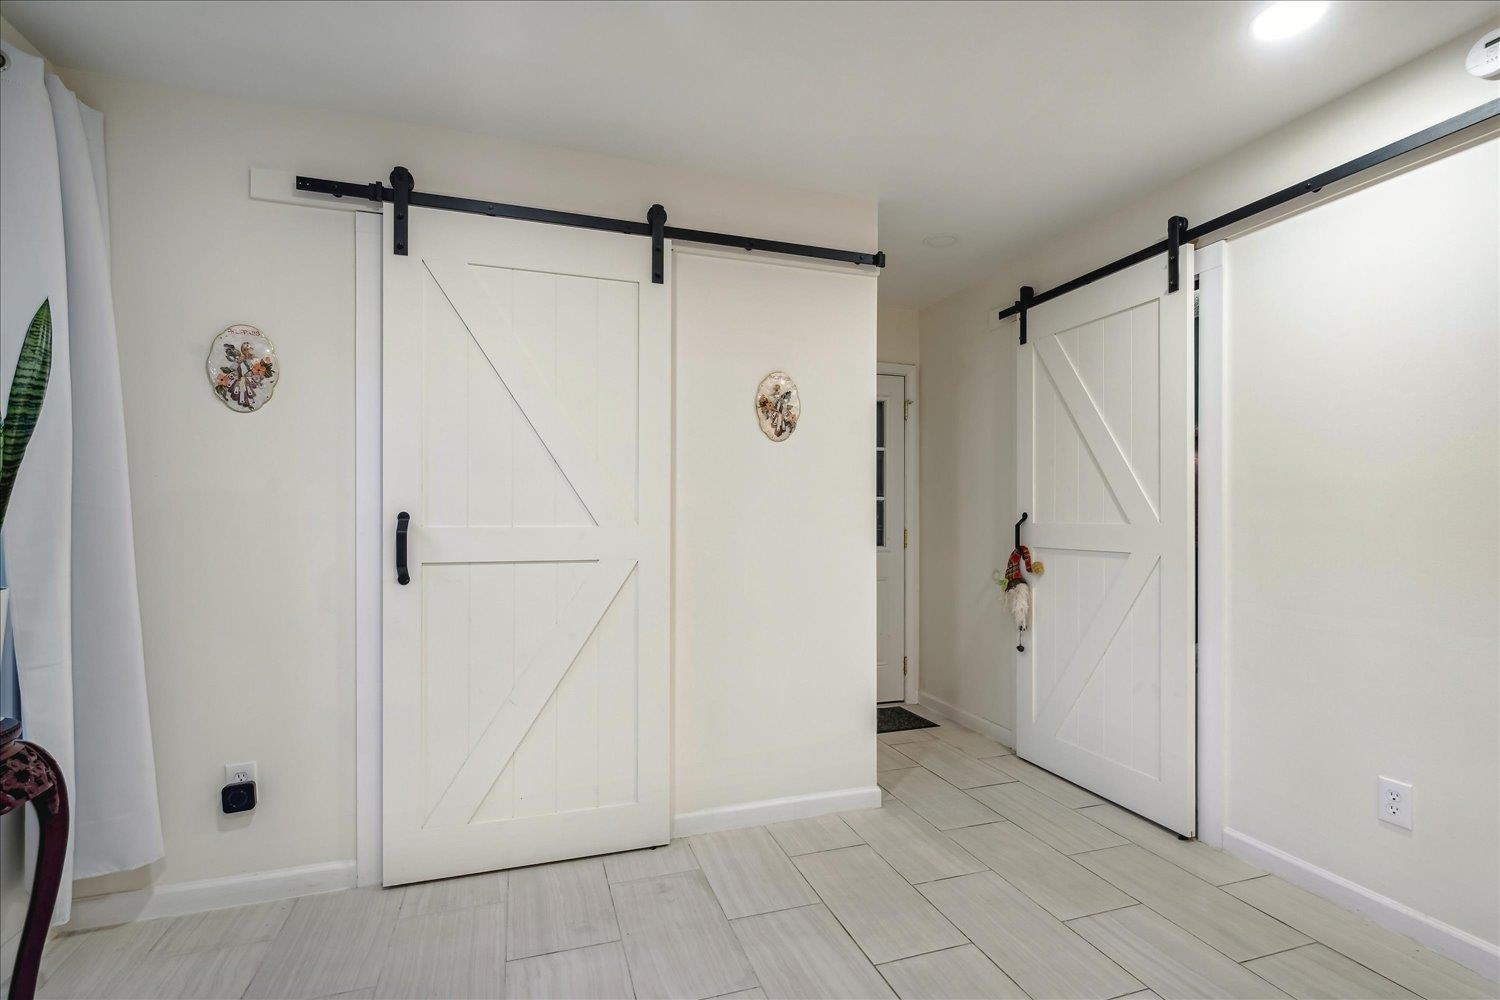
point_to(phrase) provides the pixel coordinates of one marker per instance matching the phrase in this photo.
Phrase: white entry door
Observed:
(527, 433)
(1106, 685)
(890, 538)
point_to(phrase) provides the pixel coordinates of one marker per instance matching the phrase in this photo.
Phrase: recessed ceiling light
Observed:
(1286, 18)
(940, 241)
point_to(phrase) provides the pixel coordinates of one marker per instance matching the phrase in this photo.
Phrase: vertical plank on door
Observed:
(535, 474)
(1088, 719)
(1068, 449)
(1117, 396)
(1045, 468)
(1088, 713)
(495, 426)
(1089, 360)
(538, 483)
(492, 417)
(1144, 626)
(1146, 411)
(445, 431)
(618, 680)
(618, 436)
(1117, 405)
(576, 744)
(492, 592)
(445, 672)
(534, 762)
(576, 359)
(619, 385)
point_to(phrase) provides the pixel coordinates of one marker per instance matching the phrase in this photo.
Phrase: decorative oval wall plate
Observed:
(242, 368)
(778, 406)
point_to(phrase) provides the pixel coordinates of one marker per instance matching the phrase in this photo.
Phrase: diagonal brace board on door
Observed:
(538, 679)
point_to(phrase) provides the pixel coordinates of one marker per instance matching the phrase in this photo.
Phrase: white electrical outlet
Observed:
(1393, 802)
(236, 773)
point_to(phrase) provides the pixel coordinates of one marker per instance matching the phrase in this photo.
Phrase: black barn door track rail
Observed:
(1179, 232)
(402, 195)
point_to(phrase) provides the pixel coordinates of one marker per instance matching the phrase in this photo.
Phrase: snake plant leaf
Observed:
(27, 389)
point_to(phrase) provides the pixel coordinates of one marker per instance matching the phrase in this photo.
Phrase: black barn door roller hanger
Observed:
(403, 197)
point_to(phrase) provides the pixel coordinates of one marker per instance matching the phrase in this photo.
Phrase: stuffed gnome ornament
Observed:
(1015, 591)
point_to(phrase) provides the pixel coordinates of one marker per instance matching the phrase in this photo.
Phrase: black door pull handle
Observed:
(403, 519)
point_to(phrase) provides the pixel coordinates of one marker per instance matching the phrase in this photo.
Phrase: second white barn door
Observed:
(527, 434)
(1106, 685)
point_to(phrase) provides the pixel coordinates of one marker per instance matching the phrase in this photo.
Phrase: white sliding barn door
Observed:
(527, 431)
(1106, 686)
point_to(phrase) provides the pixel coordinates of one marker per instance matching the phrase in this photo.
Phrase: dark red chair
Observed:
(29, 774)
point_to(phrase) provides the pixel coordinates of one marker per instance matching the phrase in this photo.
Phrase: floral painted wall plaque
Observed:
(778, 406)
(242, 368)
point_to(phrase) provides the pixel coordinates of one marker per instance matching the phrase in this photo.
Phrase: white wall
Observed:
(775, 586)
(249, 518)
(896, 334)
(1343, 734)
(968, 360)
(1364, 535)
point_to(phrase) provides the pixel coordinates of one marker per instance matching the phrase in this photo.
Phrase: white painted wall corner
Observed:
(775, 811)
(175, 900)
(981, 725)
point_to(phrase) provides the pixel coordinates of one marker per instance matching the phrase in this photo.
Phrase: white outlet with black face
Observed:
(238, 794)
(1393, 802)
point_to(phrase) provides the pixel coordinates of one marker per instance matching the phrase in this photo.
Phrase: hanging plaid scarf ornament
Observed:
(1015, 591)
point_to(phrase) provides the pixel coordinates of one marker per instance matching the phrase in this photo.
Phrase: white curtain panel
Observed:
(70, 554)
(38, 526)
(116, 826)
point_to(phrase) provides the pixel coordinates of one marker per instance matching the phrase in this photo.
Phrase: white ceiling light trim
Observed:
(1286, 18)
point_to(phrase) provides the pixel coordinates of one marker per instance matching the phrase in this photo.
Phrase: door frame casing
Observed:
(368, 543)
(911, 496)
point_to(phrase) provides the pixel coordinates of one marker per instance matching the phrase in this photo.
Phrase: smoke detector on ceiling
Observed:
(1484, 57)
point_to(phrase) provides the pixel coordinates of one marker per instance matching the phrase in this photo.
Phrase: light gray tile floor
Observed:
(1023, 885)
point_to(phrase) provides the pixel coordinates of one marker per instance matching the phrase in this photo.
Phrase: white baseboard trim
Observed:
(1449, 941)
(775, 810)
(176, 899)
(979, 724)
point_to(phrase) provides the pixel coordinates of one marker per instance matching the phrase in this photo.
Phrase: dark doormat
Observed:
(894, 718)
